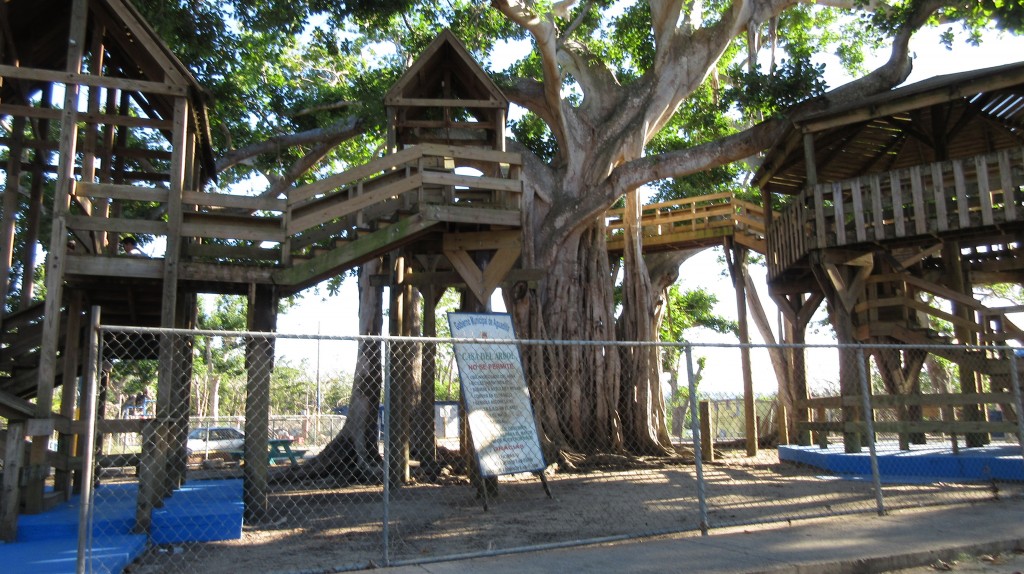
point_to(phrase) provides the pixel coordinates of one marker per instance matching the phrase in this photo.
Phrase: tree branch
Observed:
(546, 37)
(343, 129)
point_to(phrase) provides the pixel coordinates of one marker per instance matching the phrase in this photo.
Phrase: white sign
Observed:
(497, 400)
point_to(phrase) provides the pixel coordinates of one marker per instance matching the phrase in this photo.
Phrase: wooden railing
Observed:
(935, 198)
(693, 221)
(938, 413)
(261, 231)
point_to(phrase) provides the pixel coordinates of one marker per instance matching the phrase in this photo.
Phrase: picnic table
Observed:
(279, 450)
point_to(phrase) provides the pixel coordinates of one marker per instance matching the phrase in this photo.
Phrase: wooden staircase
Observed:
(905, 307)
(323, 228)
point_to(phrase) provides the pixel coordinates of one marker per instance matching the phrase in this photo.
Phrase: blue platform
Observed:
(921, 462)
(201, 511)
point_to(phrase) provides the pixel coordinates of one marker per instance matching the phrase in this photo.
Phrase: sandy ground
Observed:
(323, 527)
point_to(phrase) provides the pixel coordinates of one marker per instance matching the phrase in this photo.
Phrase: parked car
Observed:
(214, 439)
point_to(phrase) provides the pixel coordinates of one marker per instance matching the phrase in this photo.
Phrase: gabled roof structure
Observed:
(34, 35)
(445, 97)
(945, 117)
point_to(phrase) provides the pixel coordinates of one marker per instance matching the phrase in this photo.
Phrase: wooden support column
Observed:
(10, 203)
(167, 379)
(736, 258)
(14, 459)
(38, 469)
(969, 384)
(40, 159)
(841, 275)
(423, 445)
(400, 396)
(797, 312)
(259, 364)
(70, 389)
(178, 410)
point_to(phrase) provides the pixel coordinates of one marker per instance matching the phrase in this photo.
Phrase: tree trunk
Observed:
(353, 455)
(641, 401)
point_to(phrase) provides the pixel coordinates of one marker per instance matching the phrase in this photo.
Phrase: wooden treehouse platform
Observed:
(898, 206)
(692, 223)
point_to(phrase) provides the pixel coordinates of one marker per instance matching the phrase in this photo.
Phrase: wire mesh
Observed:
(217, 453)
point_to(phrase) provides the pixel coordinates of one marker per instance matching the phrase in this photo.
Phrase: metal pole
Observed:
(88, 402)
(695, 431)
(1015, 383)
(869, 417)
(386, 475)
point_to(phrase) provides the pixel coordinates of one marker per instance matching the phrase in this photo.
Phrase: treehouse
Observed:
(897, 207)
(109, 137)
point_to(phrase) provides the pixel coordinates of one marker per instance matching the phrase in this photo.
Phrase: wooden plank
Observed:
(317, 217)
(1006, 183)
(984, 191)
(819, 215)
(456, 214)
(858, 211)
(917, 193)
(896, 192)
(341, 257)
(114, 266)
(335, 182)
(86, 223)
(446, 103)
(232, 201)
(932, 400)
(232, 251)
(840, 215)
(14, 461)
(471, 181)
(109, 82)
(956, 427)
(29, 112)
(877, 212)
(208, 226)
(939, 191)
(123, 192)
(962, 206)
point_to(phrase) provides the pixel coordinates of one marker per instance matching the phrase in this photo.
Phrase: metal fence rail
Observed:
(393, 480)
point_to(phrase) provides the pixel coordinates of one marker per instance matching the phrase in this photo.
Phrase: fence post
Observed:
(695, 429)
(89, 416)
(1017, 402)
(707, 432)
(386, 477)
(869, 420)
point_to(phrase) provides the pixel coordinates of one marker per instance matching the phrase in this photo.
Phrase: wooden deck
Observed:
(950, 198)
(693, 222)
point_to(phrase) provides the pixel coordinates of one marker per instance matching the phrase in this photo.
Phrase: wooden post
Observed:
(259, 364)
(424, 445)
(400, 404)
(955, 276)
(34, 499)
(14, 460)
(707, 432)
(738, 270)
(10, 201)
(69, 389)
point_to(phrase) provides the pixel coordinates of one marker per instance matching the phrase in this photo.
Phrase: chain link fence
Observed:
(235, 466)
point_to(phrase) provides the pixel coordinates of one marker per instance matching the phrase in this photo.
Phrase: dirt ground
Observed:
(1004, 563)
(326, 527)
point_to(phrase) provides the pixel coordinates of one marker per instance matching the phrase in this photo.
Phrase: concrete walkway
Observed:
(854, 543)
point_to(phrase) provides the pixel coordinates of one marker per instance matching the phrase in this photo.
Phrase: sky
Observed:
(317, 313)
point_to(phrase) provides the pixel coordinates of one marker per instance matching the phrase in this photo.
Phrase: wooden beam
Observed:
(109, 82)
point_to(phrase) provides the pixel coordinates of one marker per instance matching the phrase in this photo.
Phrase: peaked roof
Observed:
(941, 118)
(34, 34)
(445, 58)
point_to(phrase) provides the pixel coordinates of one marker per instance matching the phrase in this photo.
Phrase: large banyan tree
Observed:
(617, 95)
